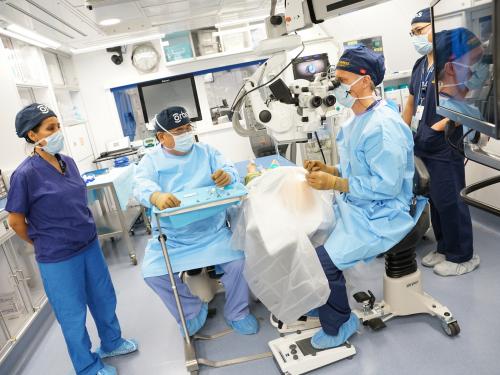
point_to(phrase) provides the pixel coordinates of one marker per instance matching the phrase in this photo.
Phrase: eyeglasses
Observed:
(181, 129)
(419, 30)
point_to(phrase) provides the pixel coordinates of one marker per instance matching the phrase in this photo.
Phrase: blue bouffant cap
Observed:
(31, 116)
(422, 16)
(171, 118)
(363, 61)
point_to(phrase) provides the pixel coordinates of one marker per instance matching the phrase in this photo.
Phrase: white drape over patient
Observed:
(278, 226)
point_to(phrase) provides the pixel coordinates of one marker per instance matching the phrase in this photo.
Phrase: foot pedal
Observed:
(376, 324)
(365, 298)
(211, 313)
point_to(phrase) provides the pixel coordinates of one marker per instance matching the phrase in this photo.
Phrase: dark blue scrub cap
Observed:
(363, 61)
(31, 116)
(171, 118)
(453, 44)
(422, 16)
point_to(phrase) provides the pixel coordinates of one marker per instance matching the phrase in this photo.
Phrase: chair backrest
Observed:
(421, 178)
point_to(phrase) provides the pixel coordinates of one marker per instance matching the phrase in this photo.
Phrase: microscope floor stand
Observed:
(404, 296)
(295, 354)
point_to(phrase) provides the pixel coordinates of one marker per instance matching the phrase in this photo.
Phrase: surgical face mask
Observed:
(183, 142)
(55, 143)
(421, 44)
(480, 73)
(343, 95)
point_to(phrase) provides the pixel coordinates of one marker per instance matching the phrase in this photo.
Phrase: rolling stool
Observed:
(403, 293)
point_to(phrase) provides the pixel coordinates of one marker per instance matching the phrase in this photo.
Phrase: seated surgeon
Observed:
(375, 177)
(179, 164)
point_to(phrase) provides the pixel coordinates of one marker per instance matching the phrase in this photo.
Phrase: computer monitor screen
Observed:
(466, 55)
(306, 67)
(175, 91)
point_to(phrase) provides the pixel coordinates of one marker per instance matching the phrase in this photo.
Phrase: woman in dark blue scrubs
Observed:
(47, 205)
(450, 216)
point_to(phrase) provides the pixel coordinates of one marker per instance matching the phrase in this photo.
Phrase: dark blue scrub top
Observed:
(55, 205)
(428, 142)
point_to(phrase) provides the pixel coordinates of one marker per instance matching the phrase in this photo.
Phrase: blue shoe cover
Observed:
(323, 341)
(314, 313)
(126, 347)
(246, 326)
(107, 370)
(197, 323)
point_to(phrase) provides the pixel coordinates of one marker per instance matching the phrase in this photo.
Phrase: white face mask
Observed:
(55, 143)
(421, 44)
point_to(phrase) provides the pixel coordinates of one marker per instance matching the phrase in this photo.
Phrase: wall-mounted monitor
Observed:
(166, 92)
(467, 60)
(306, 67)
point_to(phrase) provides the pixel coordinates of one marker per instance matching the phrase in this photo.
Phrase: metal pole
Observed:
(123, 224)
(162, 239)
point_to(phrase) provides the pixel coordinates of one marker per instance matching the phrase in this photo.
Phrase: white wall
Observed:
(97, 74)
(391, 20)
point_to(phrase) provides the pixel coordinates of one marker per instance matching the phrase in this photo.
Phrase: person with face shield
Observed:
(47, 205)
(450, 217)
(374, 177)
(177, 164)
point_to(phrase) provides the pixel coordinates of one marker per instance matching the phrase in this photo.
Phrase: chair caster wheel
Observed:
(451, 329)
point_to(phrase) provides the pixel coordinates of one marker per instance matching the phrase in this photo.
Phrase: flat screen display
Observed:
(306, 67)
(175, 91)
(465, 63)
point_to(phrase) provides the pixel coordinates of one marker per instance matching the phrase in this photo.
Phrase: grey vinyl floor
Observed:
(410, 345)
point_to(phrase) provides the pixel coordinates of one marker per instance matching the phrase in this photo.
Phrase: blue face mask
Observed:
(480, 73)
(471, 76)
(55, 143)
(421, 44)
(343, 94)
(183, 142)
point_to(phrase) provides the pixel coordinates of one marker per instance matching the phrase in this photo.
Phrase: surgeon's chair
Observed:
(403, 293)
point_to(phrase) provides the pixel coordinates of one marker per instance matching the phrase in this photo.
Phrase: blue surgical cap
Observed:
(453, 44)
(31, 116)
(422, 16)
(171, 118)
(363, 61)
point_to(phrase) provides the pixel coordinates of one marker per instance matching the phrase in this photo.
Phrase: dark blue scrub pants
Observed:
(450, 215)
(71, 286)
(336, 311)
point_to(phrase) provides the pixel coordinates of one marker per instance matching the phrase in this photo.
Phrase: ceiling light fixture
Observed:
(110, 21)
(32, 37)
(116, 42)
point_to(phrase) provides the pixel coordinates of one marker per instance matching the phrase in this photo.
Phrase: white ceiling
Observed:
(74, 25)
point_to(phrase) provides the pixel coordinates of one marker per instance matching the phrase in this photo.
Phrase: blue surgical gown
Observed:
(376, 156)
(199, 244)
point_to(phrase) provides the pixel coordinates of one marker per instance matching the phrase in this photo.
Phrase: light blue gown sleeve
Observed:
(218, 161)
(146, 181)
(387, 161)
(339, 169)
